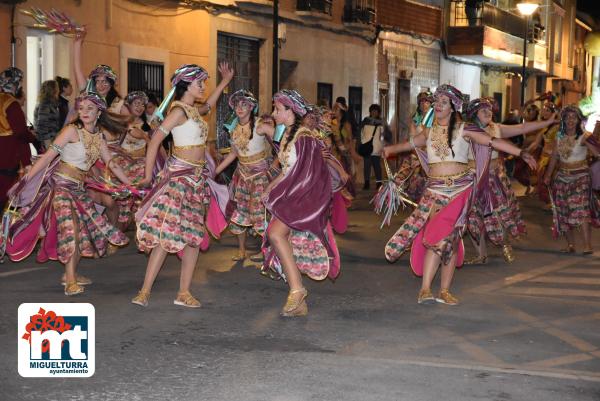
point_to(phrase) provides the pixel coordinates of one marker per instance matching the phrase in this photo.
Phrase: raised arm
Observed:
(418, 140)
(508, 131)
(501, 145)
(80, 78)
(227, 75)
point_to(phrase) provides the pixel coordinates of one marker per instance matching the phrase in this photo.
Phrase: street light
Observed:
(526, 9)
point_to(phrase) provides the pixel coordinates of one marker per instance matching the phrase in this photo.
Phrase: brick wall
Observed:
(410, 16)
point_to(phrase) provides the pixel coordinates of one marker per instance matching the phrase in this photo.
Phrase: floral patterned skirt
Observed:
(134, 168)
(247, 186)
(505, 219)
(436, 224)
(310, 254)
(172, 215)
(416, 180)
(574, 201)
(63, 216)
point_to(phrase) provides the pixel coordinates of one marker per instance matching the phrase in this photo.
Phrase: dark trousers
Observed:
(374, 161)
(472, 15)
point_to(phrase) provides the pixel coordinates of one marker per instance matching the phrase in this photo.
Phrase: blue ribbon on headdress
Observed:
(231, 122)
(164, 105)
(428, 119)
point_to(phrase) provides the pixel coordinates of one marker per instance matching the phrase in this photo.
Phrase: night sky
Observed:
(592, 7)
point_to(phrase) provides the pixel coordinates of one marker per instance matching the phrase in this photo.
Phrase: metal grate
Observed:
(242, 55)
(147, 76)
(321, 6)
(362, 11)
(324, 93)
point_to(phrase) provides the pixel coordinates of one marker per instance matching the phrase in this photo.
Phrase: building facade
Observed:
(326, 46)
(491, 40)
(408, 56)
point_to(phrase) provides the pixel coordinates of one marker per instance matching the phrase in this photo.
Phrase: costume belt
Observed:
(187, 147)
(252, 159)
(136, 153)
(462, 178)
(70, 172)
(579, 165)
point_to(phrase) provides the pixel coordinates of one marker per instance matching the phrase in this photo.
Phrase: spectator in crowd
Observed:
(472, 8)
(151, 106)
(15, 137)
(46, 116)
(65, 89)
(373, 138)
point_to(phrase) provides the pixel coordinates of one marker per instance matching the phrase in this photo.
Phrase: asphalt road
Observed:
(525, 331)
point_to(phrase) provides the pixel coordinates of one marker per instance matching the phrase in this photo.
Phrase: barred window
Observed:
(147, 76)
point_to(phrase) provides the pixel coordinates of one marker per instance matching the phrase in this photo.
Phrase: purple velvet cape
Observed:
(302, 200)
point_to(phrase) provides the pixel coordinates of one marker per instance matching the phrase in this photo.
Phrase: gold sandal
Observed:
(425, 297)
(239, 256)
(295, 306)
(507, 252)
(141, 298)
(81, 280)
(72, 288)
(477, 260)
(446, 298)
(569, 249)
(186, 299)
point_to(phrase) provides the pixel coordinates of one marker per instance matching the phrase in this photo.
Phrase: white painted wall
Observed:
(463, 76)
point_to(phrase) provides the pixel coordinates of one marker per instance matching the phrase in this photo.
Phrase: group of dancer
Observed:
(292, 184)
(108, 168)
(461, 184)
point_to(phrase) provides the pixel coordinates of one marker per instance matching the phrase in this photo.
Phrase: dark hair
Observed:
(180, 89)
(114, 123)
(252, 121)
(112, 92)
(341, 100)
(62, 83)
(145, 126)
(451, 126)
(293, 129)
(152, 99)
(374, 107)
(578, 130)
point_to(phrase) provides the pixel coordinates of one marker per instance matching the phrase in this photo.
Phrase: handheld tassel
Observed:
(390, 197)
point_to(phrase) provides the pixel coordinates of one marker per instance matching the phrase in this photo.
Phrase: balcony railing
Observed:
(487, 15)
(360, 11)
(319, 6)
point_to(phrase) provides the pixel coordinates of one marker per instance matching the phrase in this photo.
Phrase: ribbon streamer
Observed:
(54, 21)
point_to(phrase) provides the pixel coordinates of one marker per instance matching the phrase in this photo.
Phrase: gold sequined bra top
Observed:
(438, 149)
(85, 153)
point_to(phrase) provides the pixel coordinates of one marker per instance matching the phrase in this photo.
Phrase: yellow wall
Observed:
(4, 36)
(184, 36)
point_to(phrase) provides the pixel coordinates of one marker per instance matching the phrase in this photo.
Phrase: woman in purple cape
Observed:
(299, 237)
